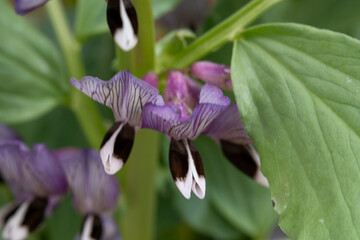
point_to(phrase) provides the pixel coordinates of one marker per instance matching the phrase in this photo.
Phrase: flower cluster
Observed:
(186, 111)
(39, 178)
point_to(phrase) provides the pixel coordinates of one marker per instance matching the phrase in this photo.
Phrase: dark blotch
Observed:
(124, 142)
(178, 159)
(197, 159)
(1, 179)
(113, 15)
(109, 133)
(131, 12)
(97, 228)
(35, 213)
(240, 156)
(115, 20)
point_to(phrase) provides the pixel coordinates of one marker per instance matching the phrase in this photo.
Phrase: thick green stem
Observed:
(222, 33)
(139, 172)
(83, 107)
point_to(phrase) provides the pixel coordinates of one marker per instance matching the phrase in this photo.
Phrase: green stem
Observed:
(222, 33)
(83, 107)
(139, 172)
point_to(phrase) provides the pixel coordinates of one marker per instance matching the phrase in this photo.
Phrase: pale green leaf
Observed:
(298, 92)
(31, 70)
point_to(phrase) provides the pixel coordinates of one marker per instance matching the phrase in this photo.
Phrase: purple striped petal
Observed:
(93, 190)
(23, 7)
(182, 92)
(35, 173)
(7, 133)
(228, 126)
(124, 94)
(167, 119)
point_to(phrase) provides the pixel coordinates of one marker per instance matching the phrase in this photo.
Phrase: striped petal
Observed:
(31, 173)
(93, 190)
(25, 6)
(124, 94)
(167, 119)
(123, 24)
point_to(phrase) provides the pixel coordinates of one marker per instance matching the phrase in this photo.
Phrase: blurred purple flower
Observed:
(183, 126)
(125, 95)
(23, 7)
(213, 73)
(228, 130)
(37, 181)
(94, 193)
(152, 79)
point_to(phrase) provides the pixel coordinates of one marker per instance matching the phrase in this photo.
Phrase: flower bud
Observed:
(213, 73)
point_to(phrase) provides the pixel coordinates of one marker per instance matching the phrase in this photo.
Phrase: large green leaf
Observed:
(239, 200)
(90, 18)
(31, 70)
(298, 92)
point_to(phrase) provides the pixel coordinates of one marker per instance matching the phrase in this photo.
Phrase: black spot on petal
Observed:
(178, 159)
(131, 12)
(35, 213)
(124, 142)
(97, 228)
(113, 15)
(240, 156)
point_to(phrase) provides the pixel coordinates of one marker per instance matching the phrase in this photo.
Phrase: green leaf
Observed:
(160, 7)
(90, 18)
(242, 202)
(31, 70)
(298, 92)
(173, 43)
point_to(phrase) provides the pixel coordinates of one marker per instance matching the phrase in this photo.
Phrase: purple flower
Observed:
(37, 181)
(123, 24)
(23, 7)
(228, 130)
(94, 193)
(216, 74)
(125, 95)
(185, 161)
(7, 133)
(152, 79)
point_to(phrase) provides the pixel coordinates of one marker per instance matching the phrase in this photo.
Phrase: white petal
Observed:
(184, 185)
(125, 37)
(259, 177)
(13, 229)
(111, 163)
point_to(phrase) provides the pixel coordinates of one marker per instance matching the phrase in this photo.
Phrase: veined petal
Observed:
(167, 119)
(186, 168)
(7, 133)
(123, 24)
(116, 146)
(24, 6)
(124, 94)
(182, 92)
(228, 126)
(93, 190)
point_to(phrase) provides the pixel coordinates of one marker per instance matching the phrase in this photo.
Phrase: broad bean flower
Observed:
(228, 130)
(126, 95)
(37, 182)
(94, 193)
(182, 124)
(123, 24)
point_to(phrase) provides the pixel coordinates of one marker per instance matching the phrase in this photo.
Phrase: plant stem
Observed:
(222, 33)
(83, 107)
(139, 171)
